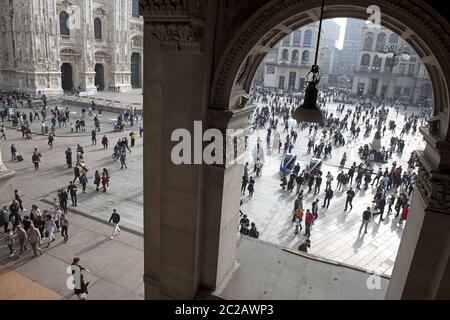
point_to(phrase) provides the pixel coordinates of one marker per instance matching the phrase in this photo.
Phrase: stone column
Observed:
(4, 171)
(221, 199)
(177, 79)
(422, 267)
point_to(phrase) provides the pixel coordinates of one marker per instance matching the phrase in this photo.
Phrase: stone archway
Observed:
(201, 68)
(100, 77)
(427, 32)
(67, 77)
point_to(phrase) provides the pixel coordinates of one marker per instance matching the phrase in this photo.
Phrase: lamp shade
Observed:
(308, 111)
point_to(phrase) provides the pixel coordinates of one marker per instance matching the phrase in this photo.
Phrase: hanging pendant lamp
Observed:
(309, 111)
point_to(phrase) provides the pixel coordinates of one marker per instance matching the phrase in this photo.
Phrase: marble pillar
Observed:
(422, 267)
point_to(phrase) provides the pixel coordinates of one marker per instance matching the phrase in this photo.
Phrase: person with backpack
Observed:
(115, 218)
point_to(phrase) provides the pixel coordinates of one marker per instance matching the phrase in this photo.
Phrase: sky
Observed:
(342, 23)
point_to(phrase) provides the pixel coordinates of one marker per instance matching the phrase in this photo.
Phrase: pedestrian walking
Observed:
(84, 181)
(34, 239)
(18, 198)
(50, 228)
(123, 158)
(13, 152)
(132, 138)
(76, 172)
(9, 240)
(350, 196)
(105, 142)
(366, 218)
(251, 187)
(97, 180)
(36, 160)
(81, 287)
(244, 184)
(68, 153)
(309, 219)
(3, 133)
(328, 196)
(23, 238)
(115, 218)
(94, 137)
(72, 190)
(64, 227)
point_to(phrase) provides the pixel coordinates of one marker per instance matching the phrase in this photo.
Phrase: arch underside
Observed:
(414, 21)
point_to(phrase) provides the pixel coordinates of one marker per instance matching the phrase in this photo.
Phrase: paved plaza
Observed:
(117, 265)
(334, 235)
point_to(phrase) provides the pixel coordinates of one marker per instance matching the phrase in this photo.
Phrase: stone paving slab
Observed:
(267, 272)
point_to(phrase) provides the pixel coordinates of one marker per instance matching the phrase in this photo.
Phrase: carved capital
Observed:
(434, 186)
(175, 24)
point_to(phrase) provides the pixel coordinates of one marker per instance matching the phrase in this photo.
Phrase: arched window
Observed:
(98, 28)
(63, 23)
(297, 37)
(393, 39)
(308, 38)
(285, 55)
(135, 9)
(376, 64)
(368, 42)
(295, 56)
(365, 62)
(381, 41)
(287, 40)
(305, 56)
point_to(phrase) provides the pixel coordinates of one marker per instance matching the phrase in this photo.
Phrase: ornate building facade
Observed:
(377, 75)
(51, 46)
(288, 64)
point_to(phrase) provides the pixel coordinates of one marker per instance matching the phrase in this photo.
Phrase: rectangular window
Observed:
(411, 69)
(281, 83)
(292, 78)
(135, 9)
(402, 68)
(407, 92)
(397, 91)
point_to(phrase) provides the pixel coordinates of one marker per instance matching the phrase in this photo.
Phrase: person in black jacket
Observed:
(328, 196)
(72, 190)
(115, 218)
(253, 232)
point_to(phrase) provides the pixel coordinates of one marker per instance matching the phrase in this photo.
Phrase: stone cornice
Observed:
(176, 24)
